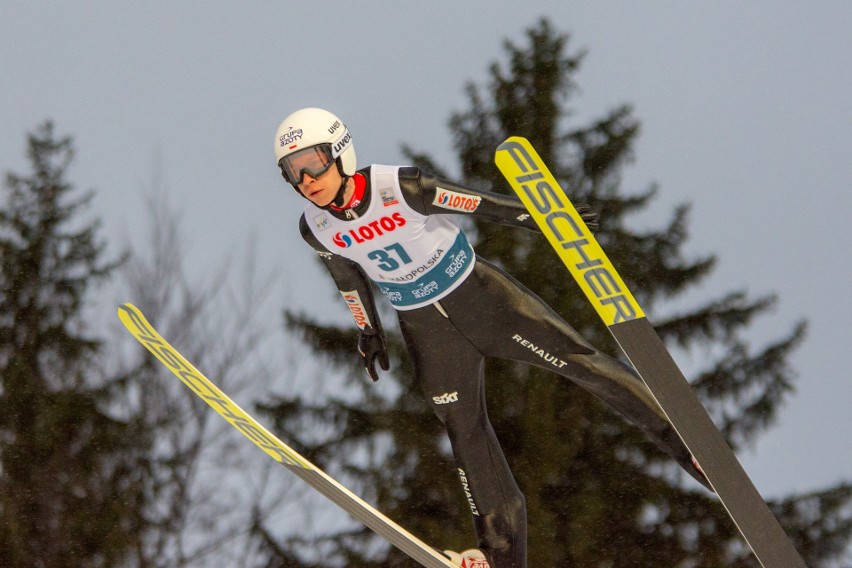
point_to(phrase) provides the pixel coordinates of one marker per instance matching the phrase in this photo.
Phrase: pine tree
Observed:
(598, 493)
(70, 491)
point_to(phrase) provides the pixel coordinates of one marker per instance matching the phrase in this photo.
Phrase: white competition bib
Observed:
(415, 259)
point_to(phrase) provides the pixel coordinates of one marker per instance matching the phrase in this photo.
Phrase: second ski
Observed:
(145, 333)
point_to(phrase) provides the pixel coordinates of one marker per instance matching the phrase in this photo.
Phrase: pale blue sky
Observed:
(744, 108)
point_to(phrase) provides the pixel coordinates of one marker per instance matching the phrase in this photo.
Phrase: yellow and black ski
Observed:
(616, 306)
(143, 331)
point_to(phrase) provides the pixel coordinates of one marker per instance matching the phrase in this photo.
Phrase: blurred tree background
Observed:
(71, 492)
(105, 461)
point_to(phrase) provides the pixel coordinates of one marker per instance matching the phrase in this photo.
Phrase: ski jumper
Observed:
(456, 309)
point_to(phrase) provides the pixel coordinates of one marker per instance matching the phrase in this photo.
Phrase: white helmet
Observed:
(318, 134)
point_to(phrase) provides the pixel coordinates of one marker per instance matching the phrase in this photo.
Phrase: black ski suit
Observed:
(490, 314)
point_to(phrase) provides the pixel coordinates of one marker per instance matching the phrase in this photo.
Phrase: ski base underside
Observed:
(735, 490)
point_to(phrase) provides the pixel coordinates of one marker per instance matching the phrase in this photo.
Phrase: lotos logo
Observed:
(356, 306)
(456, 201)
(369, 231)
(342, 240)
(290, 137)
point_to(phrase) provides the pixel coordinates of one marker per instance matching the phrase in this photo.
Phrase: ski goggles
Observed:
(314, 161)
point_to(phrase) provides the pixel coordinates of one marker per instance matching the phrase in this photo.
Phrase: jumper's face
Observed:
(321, 189)
(312, 171)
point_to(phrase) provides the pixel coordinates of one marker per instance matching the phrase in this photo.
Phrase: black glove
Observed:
(372, 346)
(590, 217)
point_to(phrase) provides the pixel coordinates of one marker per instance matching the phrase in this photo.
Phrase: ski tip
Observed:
(131, 316)
(513, 142)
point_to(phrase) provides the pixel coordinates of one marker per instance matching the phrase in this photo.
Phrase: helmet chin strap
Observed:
(338, 198)
(338, 201)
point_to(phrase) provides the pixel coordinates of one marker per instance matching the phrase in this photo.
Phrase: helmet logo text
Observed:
(341, 144)
(290, 137)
